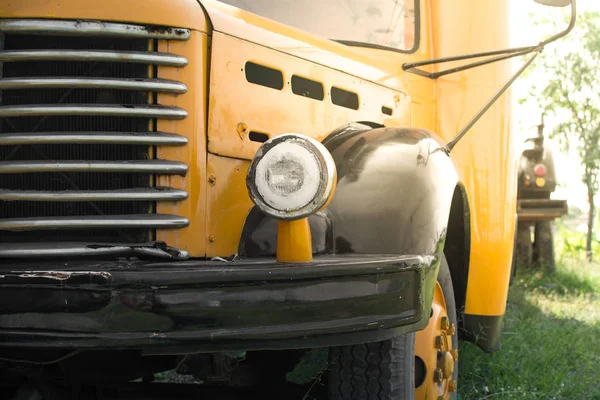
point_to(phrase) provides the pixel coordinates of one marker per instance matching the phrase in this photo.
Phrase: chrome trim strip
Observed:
(139, 111)
(135, 138)
(141, 221)
(142, 166)
(138, 57)
(138, 194)
(149, 85)
(91, 28)
(78, 249)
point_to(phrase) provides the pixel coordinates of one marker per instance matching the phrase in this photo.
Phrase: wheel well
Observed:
(457, 248)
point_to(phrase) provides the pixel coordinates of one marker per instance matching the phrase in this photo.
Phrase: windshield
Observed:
(389, 23)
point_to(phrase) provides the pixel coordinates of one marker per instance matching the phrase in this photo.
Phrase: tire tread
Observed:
(379, 371)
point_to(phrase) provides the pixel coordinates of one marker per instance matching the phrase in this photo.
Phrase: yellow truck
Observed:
(219, 187)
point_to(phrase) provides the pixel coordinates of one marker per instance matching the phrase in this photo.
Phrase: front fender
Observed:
(393, 196)
(394, 191)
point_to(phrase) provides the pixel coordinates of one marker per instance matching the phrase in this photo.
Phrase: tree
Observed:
(571, 92)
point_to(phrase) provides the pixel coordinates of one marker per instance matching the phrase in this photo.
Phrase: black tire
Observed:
(544, 243)
(383, 370)
(524, 246)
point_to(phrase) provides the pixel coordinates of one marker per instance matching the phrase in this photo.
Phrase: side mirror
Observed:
(554, 3)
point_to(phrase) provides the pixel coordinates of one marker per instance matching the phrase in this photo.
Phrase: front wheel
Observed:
(436, 346)
(393, 369)
(382, 370)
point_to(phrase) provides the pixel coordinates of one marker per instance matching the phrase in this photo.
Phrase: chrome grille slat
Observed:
(138, 57)
(77, 140)
(149, 85)
(149, 221)
(141, 166)
(133, 138)
(90, 28)
(134, 111)
(140, 194)
(91, 249)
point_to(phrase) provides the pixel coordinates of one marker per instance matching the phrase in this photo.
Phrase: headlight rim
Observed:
(327, 170)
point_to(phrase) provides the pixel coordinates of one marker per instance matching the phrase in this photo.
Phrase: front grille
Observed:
(77, 132)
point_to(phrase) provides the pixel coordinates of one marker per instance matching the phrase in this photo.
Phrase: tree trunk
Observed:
(590, 231)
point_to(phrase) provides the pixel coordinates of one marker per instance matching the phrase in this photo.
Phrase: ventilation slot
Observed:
(344, 98)
(264, 76)
(258, 137)
(386, 110)
(307, 88)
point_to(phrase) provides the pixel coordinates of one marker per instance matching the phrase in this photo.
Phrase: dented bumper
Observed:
(205, 306)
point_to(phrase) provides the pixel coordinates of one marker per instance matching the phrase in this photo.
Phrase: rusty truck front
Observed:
(181, 188)
(235, 189)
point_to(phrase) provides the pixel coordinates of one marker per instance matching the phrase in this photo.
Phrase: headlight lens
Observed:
(291, 176)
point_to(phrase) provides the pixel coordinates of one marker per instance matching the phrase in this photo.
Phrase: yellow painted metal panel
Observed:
(234, 100)
(193, 238)
(228, 204)
(486, 157)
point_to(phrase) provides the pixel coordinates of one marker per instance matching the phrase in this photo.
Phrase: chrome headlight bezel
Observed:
(326, 183)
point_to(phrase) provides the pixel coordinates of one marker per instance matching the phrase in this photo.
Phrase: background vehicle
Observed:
(132, 137)
(535, 209)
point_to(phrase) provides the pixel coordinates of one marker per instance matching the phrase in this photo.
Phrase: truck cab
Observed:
(224, 190)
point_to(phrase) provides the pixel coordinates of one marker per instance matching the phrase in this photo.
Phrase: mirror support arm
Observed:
(476, 118)
(503, 54)
(500, 55)
(566, 31)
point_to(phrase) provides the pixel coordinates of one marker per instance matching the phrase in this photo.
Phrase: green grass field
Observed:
(551, 340)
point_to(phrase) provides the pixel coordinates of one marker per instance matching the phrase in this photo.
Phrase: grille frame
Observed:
(152, 112)
(92, 28)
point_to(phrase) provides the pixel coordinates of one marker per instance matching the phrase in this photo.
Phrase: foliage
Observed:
(572, 73)
(572, 245)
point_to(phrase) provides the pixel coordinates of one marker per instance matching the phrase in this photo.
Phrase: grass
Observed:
(551, 340)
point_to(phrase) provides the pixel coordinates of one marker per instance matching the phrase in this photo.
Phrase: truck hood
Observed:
(267, 79)
(382, 67)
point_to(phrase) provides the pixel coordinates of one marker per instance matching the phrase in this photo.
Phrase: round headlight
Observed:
(291, 176)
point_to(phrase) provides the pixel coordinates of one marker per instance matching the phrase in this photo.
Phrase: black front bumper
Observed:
(211, 306)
